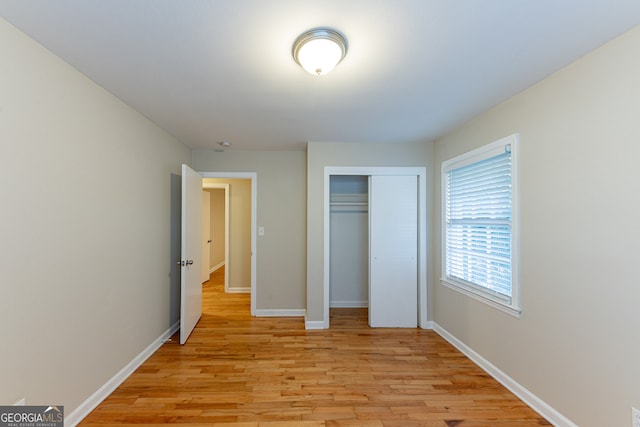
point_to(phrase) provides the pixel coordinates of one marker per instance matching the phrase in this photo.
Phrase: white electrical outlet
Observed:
(635, 417)
(21, 402)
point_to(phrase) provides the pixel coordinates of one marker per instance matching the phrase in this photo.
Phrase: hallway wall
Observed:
(217, 227)
(239, 268)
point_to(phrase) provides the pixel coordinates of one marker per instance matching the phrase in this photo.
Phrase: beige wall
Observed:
(90, 211)
(281, 198)
(217, 227)
(320, 155)
(239, 231)
(577, 344)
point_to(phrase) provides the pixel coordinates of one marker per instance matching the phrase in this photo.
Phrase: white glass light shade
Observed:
(319, 50)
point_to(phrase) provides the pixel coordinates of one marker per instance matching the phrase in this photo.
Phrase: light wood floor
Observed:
(240, 371)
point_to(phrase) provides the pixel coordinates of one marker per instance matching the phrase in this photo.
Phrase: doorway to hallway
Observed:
(240, 235)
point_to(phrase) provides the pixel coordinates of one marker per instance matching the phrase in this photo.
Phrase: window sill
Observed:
(509, 309)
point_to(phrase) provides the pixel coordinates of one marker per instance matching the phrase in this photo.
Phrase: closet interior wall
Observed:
(349, 241)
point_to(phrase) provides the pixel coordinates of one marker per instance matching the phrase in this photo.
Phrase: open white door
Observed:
(393, 245)
(191, 252)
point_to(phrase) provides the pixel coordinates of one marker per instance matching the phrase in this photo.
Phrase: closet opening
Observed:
(349, 246)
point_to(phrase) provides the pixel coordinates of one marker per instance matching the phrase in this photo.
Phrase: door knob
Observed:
(189, 261)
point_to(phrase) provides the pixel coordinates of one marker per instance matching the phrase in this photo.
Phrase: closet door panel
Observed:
(393, 261)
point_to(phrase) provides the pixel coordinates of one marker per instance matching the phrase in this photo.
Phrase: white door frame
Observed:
(253, 176)
(224, 187)
(421, 173)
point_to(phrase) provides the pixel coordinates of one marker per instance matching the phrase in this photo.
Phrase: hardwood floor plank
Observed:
(239, 371)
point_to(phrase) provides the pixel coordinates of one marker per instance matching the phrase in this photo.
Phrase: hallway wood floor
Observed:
(239, 371)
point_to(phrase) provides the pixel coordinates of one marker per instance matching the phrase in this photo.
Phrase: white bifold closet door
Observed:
(393, 245)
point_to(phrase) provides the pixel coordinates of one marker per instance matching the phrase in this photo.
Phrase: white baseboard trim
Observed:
(287, 312)
(429, 324)
(103, 392)
(349, 304)
(244, 290)
(315, 324)
(215, 267)
(537, 404)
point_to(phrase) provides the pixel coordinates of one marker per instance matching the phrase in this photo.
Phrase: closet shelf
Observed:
(348, 204)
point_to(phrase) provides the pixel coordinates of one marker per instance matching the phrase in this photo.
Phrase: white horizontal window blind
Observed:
(478, 214)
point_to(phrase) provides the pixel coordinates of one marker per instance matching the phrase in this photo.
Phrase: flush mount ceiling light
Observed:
(319, 50)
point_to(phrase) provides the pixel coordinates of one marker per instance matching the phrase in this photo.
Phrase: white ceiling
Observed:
(221, 70)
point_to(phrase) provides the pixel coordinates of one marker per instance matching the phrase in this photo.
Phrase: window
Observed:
(480, 223)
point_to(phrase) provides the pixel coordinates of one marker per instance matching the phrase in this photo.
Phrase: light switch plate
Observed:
(260, 231)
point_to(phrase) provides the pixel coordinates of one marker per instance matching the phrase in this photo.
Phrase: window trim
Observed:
(479, 293)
